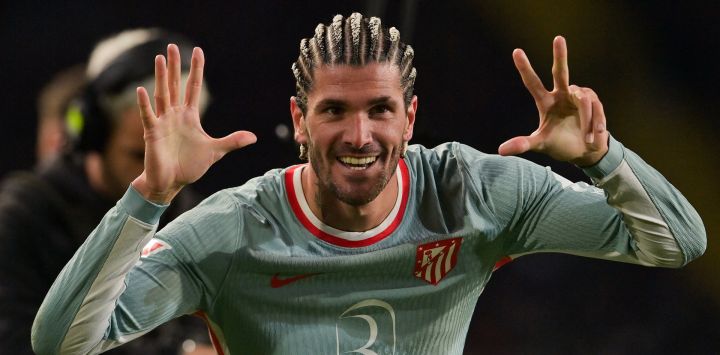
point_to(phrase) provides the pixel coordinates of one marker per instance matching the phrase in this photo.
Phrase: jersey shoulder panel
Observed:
(210, 238)
(473, 183)
(444, 162)
(222, 218)
(504, 182)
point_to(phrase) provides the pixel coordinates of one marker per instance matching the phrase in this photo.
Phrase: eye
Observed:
(379, 110)
(333, 110)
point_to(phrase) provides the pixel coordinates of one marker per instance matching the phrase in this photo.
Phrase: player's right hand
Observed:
(177, 149)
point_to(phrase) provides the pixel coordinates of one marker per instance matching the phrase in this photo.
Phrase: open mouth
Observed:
(357, 163)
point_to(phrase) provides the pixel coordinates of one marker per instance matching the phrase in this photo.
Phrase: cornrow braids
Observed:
(317, 44)
(356, 41)
(335, 37)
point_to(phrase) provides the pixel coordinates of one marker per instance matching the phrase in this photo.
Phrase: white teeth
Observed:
(357, 161)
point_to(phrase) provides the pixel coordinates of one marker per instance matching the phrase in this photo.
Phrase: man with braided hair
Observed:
(373, 247)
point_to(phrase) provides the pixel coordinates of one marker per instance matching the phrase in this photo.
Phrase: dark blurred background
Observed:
(653, 64)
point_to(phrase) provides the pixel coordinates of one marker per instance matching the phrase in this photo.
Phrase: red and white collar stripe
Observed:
(314, 225)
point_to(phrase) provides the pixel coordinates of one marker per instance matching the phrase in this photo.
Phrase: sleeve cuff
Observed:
(140, 208)
(610, 162)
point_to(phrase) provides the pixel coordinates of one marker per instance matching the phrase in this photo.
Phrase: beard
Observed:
(328, 186)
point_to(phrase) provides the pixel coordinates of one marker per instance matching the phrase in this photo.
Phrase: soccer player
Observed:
(373, 246)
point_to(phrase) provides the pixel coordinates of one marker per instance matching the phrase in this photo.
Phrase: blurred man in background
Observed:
(46, 215)
(52, 104)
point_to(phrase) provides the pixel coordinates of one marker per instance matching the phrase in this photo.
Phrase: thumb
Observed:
(517, 145)
(235, 140)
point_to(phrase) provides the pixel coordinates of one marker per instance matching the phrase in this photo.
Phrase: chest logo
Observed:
(435, 260)
(276, 281)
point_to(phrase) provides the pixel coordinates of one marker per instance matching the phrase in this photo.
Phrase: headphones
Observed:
(88, 124)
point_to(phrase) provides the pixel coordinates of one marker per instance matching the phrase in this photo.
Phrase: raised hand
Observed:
(572, 122)
(177, 149)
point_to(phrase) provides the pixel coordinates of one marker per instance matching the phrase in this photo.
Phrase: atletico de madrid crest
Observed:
(435, 260)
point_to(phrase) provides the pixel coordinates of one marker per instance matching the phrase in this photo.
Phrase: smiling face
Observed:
(354, 128)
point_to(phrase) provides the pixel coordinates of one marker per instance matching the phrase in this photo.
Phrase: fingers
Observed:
(529, 77)
(235, 140)
(519, 145)
(592, 117)
(583, 98)
(194, 83)
(168, 78)
(162, 95)
(174, 73)
(146, 111)
(599, 124)
(560, 71)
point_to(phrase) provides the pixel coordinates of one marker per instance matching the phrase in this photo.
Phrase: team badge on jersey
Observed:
(154, 246)
(435, 260)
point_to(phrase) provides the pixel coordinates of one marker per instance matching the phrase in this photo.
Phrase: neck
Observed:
(340, 215)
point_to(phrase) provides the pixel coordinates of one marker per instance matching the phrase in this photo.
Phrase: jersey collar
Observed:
(314, 225)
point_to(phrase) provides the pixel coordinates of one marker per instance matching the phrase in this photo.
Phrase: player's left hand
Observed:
(572, 122)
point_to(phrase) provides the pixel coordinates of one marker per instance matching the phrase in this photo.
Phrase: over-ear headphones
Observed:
(89, 124)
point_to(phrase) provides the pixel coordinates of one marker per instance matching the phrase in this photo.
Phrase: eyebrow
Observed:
(330, 102)
(380, 100)
(342, 103)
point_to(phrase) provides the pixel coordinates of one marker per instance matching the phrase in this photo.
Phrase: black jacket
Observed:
(44, 218)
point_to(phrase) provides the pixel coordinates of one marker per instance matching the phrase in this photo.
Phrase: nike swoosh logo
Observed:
(277, 282)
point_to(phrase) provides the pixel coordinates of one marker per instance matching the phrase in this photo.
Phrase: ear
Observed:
(93, 165)
(298, 119)
(411, 111)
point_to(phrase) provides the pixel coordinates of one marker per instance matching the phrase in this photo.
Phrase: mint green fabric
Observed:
(223, 255)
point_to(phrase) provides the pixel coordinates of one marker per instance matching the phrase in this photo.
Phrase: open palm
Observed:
(177, 149)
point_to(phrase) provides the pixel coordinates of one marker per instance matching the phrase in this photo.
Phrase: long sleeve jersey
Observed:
(271, 278)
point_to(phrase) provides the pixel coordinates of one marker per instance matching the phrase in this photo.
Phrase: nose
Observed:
(358, 131)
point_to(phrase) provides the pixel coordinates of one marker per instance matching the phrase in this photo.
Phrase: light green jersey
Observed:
(271, 278)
